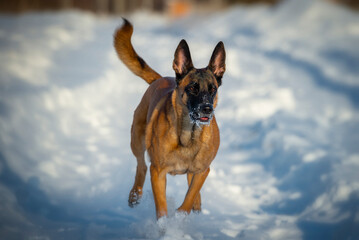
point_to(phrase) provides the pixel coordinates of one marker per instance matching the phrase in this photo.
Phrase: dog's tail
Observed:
(128, 55)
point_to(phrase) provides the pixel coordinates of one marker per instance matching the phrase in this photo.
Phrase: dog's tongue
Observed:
(204, 118)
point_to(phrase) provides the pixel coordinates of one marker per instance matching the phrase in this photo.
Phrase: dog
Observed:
(174, 121)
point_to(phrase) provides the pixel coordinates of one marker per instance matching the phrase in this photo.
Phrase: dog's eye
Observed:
(212, 89)
(194, 89)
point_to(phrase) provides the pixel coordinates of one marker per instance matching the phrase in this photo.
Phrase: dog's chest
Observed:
(188, 155)
(184, 160)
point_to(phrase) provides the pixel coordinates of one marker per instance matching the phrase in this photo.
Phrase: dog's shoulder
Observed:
(158, 90)
(164, 84)
(157, 93)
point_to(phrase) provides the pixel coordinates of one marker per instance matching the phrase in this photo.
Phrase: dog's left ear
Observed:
(217, 63)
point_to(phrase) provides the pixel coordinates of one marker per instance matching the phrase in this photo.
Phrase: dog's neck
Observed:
(188, 131)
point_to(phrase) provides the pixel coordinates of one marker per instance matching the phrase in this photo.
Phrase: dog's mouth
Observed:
(200, 118)
(204, 119)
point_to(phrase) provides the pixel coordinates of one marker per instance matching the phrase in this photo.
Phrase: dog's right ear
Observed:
(182, 62)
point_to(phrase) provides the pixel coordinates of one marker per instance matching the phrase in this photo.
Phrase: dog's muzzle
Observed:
(203, 114)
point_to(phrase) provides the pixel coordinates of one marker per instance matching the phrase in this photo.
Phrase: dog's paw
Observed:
(135, 197)
(197, 210)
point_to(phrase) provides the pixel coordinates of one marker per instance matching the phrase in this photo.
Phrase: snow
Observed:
(288, 163)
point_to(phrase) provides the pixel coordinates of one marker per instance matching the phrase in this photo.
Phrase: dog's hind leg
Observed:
(138, 149)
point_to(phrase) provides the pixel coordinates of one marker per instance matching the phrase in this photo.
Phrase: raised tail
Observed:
(128, 55)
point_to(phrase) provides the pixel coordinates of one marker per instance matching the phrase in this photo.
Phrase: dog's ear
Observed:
(217, 63)
(182, 62)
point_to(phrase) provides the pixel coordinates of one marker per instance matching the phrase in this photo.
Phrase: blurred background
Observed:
(288, 113)
(172, 7)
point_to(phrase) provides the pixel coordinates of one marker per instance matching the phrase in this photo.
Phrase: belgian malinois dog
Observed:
(174, 121)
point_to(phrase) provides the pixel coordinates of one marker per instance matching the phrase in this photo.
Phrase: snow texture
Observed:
(288, 163)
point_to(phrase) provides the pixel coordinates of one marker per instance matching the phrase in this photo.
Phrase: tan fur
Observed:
(161, 126)
(125, 51)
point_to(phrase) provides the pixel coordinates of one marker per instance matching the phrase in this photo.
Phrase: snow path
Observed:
(288, 114)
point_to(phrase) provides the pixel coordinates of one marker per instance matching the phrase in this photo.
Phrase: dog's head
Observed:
(198, 87)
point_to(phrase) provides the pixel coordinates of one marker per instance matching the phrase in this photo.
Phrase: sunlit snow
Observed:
(288, 163)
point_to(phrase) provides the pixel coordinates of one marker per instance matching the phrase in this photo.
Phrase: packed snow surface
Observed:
(288, 163)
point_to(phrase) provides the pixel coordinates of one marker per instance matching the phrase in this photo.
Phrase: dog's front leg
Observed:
(158, 181)
(193, 190)
(197, 201)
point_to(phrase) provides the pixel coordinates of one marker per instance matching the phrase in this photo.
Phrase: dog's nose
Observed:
(206, 108)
